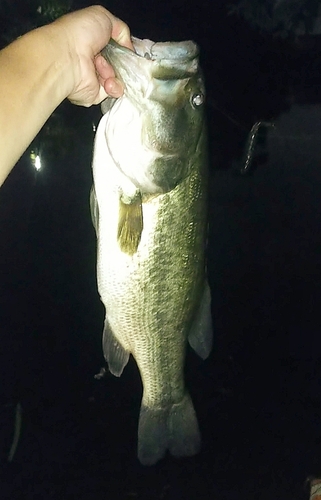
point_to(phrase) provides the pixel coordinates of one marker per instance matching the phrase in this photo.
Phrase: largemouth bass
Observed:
(149, 210)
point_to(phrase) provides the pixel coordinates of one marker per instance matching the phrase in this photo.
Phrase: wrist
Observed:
(53, 58)
(36, 76)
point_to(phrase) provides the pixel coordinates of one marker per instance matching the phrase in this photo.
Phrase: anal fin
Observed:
(114, 353)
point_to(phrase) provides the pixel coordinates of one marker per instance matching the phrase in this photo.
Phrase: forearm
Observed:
(33, 82)
(39, 70)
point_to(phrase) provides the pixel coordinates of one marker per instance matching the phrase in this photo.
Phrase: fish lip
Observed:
(157, 61)
(174, 52)
(165, 51)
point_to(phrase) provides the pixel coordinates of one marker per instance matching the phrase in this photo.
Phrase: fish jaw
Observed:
(124, 126)
(158, 112)
(150, 60)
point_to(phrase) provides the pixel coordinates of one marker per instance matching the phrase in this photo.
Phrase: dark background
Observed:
(258, 396)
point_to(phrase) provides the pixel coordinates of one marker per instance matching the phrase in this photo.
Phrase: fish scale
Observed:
(151, 223)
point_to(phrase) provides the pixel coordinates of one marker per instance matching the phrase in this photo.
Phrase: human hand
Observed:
(87, 32)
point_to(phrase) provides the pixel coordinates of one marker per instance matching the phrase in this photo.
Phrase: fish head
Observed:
(164, 85)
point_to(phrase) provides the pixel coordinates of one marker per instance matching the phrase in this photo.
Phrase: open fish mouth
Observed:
(169, 51)
(174, 59)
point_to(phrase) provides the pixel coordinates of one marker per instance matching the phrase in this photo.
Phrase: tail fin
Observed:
(174, 428)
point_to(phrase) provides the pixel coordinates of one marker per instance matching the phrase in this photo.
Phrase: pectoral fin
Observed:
(130, 224)
(114, 353)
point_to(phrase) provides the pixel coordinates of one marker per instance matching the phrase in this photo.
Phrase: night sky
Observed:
(258, 396)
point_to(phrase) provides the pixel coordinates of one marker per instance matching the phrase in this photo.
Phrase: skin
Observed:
(47, 65)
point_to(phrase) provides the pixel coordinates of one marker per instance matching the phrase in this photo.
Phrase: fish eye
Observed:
(197, 100)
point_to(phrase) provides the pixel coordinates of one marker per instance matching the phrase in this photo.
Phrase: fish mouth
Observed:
(156, 51)
(165, 51)
(164, 60)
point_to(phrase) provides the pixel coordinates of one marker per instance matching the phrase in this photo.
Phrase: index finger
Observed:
(120, 32)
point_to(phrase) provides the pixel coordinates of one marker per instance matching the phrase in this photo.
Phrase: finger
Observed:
(102, 95)
(106, 77)
(113, 87)
(120, 32)
(104, 69)
(80, 100)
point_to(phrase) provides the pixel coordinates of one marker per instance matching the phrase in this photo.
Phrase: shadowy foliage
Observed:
(19, 16)
(281, 17)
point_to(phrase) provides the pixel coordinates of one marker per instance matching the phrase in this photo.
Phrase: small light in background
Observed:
(37, 163)
(35, 160)
(94, 127)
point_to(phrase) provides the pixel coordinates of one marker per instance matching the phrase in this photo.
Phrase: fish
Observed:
(149, 209)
